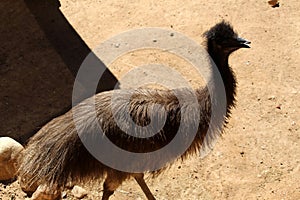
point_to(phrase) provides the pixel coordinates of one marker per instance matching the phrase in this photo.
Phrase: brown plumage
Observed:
(56, 155)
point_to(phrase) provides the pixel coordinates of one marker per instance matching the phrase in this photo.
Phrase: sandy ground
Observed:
(259, 155)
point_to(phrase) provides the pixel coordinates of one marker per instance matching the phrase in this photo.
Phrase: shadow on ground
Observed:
(39, 59)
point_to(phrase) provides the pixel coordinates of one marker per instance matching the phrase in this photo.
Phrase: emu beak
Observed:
(243, 43)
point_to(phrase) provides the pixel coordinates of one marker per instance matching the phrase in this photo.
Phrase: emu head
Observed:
(222, 38)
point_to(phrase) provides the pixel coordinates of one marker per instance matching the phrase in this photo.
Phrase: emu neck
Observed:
(220, 58)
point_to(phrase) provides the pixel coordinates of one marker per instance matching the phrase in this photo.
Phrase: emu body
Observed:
(56, 154)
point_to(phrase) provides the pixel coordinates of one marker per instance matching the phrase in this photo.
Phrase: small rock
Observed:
(271, 97)
(79, 192)
(9, 152)
(278, 106)
(64, 195)
(259, 175)
(46, 193)
(274, 3)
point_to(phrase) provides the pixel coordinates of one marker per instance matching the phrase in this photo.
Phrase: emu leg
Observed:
(107, 193)
(113, 180)
(140, 180)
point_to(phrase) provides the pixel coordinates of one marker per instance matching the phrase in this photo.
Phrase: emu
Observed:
(56, 155)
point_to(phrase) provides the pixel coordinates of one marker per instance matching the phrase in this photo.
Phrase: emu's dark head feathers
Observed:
(223, 36)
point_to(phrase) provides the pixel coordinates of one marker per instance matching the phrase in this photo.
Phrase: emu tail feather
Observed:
(55, 155)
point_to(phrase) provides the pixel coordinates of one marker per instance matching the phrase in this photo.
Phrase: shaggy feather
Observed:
(56, 155)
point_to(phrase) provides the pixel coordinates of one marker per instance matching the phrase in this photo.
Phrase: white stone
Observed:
(79, 192)
(9, 151)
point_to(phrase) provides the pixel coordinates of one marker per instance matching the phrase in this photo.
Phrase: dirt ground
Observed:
(259, 154)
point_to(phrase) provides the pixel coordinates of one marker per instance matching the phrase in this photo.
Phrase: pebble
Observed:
(9, 152)
(271, 97)
(64, 195)
(293, 123)
(278, 106)
(79, 192)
